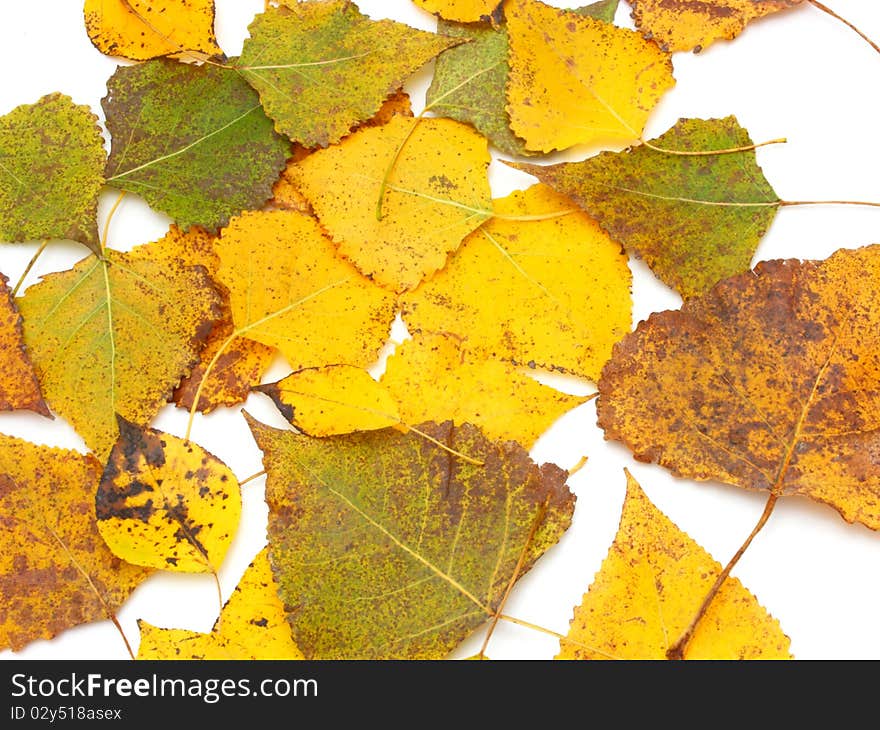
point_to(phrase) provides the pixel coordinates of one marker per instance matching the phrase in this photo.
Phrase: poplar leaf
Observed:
(550, 291)
(432, 377)
(288, 289)
(252, 625)
(769, 381)
(470, 80)
(577, 80)
(322, 67)
(144, 29)
(695, 26)
(51, 170)
(19, 388)
(694, 219)
(166, 503)
(416, 546)
(191, 140)
(463, 11)
(114, 335)
(437, 193)
(55, 570)
(648, 590)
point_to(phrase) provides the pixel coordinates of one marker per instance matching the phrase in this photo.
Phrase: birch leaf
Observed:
(51, 170)
(649, 589)
(769, 381)
(437, 193)
(694, 219)
(416, 546)
(252, 625)
(322, 67)
(191, 140)
(55, 570)
(546, 288)
(577, 80)
(144, 29)
(19, 388)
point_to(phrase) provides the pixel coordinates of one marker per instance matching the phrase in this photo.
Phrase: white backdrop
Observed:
(800, 75)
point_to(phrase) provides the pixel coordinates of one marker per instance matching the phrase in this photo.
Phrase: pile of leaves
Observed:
(311, 208)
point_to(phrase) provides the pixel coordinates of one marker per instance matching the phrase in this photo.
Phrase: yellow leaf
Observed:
(552, 292)
(649, 589)
(167, 503)
(333, 400)
(437, 193)
(288, 289)
(463, 11)
(18, 383)
(142, 29)
(55, 570)
(694, 26)
(577, 80)
(432, 379)
(252, 625)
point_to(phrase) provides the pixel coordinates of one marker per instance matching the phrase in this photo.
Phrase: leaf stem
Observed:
(826, 9)
(536, 522)
(706, 153)
(788, 203)
(550, 632)
(105, 234)
(27, 269)
(252, 477)
(676, 651)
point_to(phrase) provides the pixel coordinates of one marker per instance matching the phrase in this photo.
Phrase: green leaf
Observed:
(51, 170)
(385, 545)
(470, 80)
(191, 140)
(323, 67)
(694, 219)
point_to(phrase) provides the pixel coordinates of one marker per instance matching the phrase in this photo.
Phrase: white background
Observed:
(799, 74)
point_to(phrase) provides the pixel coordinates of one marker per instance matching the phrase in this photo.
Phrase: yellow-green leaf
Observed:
(385, 545)
(114, 335)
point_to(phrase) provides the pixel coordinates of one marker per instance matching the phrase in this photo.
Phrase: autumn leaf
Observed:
(540, 285)
(769, 381)
(166, 503)
(114, 335)
(252, 625)
(322, 67)
(694, 26)
(288, 289)
(649, 588)
(577, 80)
(242, 362)
(694, 219)
(19, 388)
(416, 545)
(463, 11)
(55, 570)
(286, 194)
(333, 400)
(144, 29)
(470, 80)
(51, 170)
(191, 140)
(437, 193)
(432, 378)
